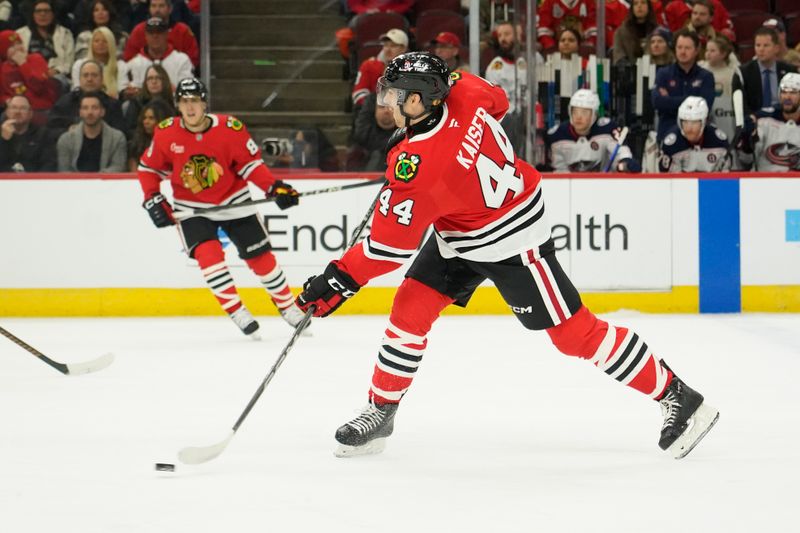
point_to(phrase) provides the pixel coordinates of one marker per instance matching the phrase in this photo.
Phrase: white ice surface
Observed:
(499, 432)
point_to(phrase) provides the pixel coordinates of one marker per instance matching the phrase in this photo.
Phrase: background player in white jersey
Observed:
(209, 160)
(586, 143)
(694, 145)
(773, 142)
(455, 169)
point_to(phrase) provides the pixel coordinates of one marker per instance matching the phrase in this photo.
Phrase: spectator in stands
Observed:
(510, 73)
(158, 50)
(119, 17)
(24, 146)
(792, 57)
(777, 25)
(10, 17)
(447, 46)
(104, 50)
(675, 82)
(700, 23)
(395, 42)
(554, 14)
(679, 12)
(93, 146)
(156, 86)
(103, 14)
(66, 111)
(569, 42)
(758, 78)
(722, 63)
(149, 117)
(180, 36)
(53, 41)
(630, 39)
(374, 126)
(24, 73)
(659, 48)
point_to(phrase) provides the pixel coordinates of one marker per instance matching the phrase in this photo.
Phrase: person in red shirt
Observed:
(209, 160)
(577, 14)
(180, 35)
(452, 168)
(26, 74)
(395, 42)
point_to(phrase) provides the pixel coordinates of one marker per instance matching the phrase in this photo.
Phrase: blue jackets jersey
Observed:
(570, 152)
(709, 155)
(679, 84)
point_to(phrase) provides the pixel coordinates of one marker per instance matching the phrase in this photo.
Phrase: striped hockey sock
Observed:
(617, 351)
(416, 307)
(266, 267)
(211, 259)
(398, 359)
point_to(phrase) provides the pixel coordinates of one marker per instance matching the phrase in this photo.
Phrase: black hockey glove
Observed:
(284, 194)
(398, 135)
(328, 291)
(159, 210)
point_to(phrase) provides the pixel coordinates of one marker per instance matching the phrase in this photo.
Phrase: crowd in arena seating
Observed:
(700, 48)
(90, 78)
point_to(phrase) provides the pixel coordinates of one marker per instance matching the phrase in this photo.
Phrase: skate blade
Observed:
(371, 448)
(700, 423)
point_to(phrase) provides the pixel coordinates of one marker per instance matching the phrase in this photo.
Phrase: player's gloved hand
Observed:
(284, 194)
(629, 165)
(328, 291)
(159, 210)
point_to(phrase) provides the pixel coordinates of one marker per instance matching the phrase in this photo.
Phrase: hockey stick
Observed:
(336, 188)
(620, 140)
(69, 369)
(193, 455)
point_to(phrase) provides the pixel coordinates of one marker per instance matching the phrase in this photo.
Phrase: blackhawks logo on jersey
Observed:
(407, 166)
(200, 172)
(166, 123)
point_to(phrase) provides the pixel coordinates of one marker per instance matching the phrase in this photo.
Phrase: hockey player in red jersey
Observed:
(452, 167)
(209, 159)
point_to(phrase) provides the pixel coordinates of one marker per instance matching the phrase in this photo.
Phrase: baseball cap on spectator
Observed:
(7, 38)
(775, 24)
(662, 32)
(447, 37)
(395, 35)
(155, 24)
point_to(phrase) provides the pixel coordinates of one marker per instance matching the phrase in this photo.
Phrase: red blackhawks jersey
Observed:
(462, 177)
(205, 168)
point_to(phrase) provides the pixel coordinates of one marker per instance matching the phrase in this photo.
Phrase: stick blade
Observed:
(195, 455)
(87, 367)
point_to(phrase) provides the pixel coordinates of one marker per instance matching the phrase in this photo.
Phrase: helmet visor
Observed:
(388, 96)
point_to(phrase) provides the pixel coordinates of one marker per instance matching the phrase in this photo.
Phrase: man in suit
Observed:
(758, 78)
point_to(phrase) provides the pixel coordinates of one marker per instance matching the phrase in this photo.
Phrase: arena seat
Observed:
(433, 21)
(747, 22)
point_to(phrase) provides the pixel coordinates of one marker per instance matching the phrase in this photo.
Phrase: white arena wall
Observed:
(664, 243)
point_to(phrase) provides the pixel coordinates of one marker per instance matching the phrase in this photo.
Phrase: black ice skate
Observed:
(242, 318)
(687, 418)
(366, 434)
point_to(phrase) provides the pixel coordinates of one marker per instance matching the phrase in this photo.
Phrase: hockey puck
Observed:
(165, 467)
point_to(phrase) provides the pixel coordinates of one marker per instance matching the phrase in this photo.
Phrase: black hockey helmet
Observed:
(191, 87)
(415, 72)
